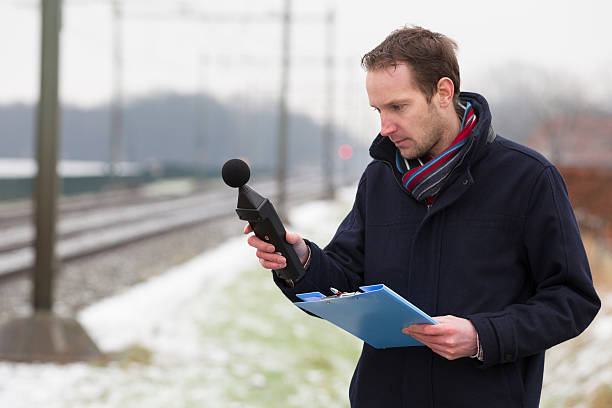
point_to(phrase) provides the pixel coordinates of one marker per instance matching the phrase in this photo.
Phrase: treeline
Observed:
(173, 130)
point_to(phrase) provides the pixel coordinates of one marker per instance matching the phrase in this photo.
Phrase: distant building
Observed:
(581, 147)
(575, 141)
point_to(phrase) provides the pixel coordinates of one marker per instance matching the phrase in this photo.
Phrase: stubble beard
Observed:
(432, 135)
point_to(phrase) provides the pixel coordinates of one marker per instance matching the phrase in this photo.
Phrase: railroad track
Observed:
(86, 227)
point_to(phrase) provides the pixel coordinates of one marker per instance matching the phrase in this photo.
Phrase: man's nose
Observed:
(387, 127)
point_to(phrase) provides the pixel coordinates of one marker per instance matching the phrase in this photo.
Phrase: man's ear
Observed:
(445, 92)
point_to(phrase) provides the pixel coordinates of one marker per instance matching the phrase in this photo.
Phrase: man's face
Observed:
(412, 124)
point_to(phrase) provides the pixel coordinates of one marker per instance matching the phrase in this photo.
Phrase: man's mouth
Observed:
(399, 142)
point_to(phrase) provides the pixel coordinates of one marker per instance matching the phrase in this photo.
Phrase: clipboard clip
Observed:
(314, 296)
(337, 293)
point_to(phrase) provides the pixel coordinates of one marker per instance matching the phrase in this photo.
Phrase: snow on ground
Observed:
(163, 304)
(26, 168)
(213, 332)
(157, 316)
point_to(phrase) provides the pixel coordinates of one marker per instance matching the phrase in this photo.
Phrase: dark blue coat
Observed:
(500, 246)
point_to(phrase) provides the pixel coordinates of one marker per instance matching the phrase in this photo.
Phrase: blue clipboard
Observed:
(376, 316)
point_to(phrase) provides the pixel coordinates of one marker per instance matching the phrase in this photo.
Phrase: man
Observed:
(474, 229)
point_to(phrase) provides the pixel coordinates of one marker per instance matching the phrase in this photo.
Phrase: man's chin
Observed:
(408, 154)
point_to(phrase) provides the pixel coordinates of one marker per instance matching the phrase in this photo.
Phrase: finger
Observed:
(448, 353)
(422, 339)
(425, 329)
(439, 349)
(431, 341)
(272, 257)
(260, 244)
(447, 347)
(436, 348)
(271, 264)
(247, 229)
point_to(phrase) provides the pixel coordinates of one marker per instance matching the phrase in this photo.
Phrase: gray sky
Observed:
(566, 39)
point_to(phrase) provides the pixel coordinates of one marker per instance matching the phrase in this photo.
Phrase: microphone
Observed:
(263, 218)
(235, 173)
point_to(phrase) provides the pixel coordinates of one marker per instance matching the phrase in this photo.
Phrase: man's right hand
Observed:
(268, 258)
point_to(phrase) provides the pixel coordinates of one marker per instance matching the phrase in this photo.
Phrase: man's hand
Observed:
(266, 252)
(453, 338)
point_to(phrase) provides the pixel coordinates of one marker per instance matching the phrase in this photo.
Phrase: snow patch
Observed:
(162, 304)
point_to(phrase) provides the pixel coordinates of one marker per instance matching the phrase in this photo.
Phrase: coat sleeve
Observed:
(564, 300)
(340, 264)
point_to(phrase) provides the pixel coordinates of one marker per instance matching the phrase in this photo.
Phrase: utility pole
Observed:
(202, 114)
(45, 336)
(47, 181)
(328, 131)
(116, 114)
(283, 121)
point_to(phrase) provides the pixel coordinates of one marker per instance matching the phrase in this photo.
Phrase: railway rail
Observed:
(98, 224)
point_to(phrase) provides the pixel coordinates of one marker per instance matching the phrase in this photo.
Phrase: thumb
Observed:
(299, 245)
(293, 238)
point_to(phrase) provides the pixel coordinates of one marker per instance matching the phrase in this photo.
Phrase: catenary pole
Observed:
(328, 130)
(44, 336)
(117, 142)
(283, 120)
(47, 181)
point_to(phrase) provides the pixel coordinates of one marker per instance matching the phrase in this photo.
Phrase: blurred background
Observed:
(155, 95)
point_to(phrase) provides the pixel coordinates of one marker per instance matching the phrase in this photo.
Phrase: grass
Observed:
(281, 357)
(242, 346)
(600, 260)
(575, 371)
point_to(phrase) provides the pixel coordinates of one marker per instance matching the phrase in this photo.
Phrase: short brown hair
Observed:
(430, 55)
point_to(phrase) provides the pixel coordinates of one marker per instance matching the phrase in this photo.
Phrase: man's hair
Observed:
(430, 55)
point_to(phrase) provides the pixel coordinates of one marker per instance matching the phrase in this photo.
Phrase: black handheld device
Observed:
(262, 217)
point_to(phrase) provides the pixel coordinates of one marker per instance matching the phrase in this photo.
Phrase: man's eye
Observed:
(375, 109)
(397, 107)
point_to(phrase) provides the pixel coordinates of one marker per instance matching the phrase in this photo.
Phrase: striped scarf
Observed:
(424, 181)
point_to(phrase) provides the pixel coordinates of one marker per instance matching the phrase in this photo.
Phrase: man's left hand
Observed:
(453, 338)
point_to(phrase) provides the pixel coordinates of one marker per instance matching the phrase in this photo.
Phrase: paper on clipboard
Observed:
(376, 316)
